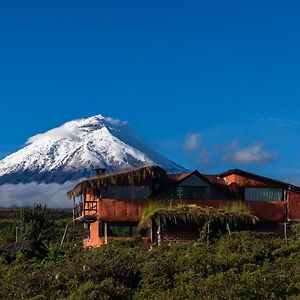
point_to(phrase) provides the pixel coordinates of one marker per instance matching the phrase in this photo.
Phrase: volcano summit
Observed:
(72, 151)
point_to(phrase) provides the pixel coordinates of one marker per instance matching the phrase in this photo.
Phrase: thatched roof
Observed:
(198, 215)
(135, 176)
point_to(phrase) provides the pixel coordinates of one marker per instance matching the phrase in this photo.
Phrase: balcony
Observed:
(85, 211)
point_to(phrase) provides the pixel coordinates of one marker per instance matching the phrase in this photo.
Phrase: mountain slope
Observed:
(73, 150)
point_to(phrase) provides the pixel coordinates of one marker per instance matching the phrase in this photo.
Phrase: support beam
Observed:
(228, 228)
(158, 235)
(285, 230)
(105, 234)
(17, 234)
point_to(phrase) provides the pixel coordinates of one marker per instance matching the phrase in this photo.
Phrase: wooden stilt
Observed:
(228, 228)
(17, 233)
(73, 232)
(208, 232)
(105, 233)
(285, 230)
(158, 235)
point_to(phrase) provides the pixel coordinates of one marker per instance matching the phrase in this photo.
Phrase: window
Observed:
(126, 192)
(180, 192)
(122, 229)
(188, 192)
(263, 194)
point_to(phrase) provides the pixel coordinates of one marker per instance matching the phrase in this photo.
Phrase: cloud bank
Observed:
(19, 195)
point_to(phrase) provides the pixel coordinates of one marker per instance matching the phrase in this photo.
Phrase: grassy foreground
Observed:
(242, 265)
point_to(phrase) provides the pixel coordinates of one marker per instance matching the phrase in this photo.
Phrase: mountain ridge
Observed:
(71, 152)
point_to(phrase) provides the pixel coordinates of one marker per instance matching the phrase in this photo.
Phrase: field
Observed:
(9, 217)
(242, 265)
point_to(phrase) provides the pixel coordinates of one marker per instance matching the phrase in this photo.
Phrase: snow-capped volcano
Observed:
(72, 151)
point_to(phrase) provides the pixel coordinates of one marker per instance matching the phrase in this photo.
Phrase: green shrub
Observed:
(36, 223)
(105, 290)
(242, 265)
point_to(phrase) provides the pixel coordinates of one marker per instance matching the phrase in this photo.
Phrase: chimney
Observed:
(100, 171)
(97, 170)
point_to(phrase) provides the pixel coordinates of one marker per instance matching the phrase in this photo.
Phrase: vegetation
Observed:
(152, 207)
(236, 215)
(240, 265)
(30, 223)
(35, 223)
(8, 218)
(237, 208)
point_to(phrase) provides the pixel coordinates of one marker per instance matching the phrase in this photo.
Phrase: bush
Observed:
(243, 265)
(36, 223)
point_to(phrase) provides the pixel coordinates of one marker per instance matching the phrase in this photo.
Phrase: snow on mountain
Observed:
(72, 151)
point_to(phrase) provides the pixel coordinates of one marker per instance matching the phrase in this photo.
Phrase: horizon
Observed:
(211, 86)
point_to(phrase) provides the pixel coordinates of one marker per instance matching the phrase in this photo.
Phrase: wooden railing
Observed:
(87, 209)
(90, 207)
(78, 210)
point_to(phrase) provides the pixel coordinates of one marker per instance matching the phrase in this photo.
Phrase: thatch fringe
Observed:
(131, 177)
(198, 215)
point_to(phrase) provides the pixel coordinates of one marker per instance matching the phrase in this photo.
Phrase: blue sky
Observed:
(210, 84)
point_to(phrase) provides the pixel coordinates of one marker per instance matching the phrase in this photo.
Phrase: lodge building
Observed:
(111, 206)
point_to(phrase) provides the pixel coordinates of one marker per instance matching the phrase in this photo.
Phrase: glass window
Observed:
(117, 230)
(263, 194)
(126, 192)
(123, 229)
(188, 192)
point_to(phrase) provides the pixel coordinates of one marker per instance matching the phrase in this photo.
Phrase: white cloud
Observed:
(251, 154)
(191, 141)
(19, 195)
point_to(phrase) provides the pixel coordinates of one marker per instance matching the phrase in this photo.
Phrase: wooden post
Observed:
(105, 233)
(64, 236)
(132, 188)
(158, 235)
(208, 232)
(228, 228)
(285, 231)
(17, 233)
(73, 233)
(73, 207)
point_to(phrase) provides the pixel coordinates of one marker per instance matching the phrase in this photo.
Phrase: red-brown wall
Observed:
(293, 198)
(128, 210)
(245, 181)
(294, 205)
